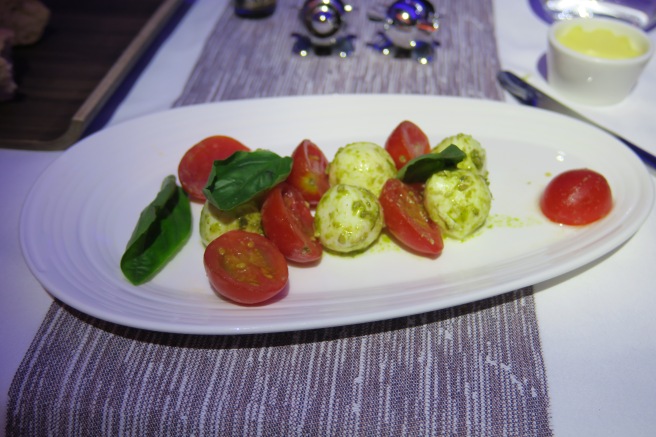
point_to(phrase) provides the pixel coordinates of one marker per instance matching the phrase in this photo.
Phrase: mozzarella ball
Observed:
(476, 156)
(459, 201)
(365, 165)
(348, 218)
(214, 222)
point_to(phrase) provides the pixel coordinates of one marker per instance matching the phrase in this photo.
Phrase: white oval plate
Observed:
(81, 212)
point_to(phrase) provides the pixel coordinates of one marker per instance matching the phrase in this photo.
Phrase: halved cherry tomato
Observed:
(577, 197)
(309, 171)
(407, 219)
(196, 164)
(288, 222)
(245, 267)
(407, 141)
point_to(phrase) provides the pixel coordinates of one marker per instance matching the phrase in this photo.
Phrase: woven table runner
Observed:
(472, 370)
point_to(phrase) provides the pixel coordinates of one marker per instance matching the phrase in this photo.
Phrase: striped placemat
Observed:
(247, 59)
(474, 370)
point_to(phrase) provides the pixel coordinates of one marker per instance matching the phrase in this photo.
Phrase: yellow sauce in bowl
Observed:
(600, 43)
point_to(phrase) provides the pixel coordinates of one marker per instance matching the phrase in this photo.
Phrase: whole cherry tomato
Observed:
(196, 164)
(407, 141)
(407, 220)
(288, 222)
(245, 267)
(309, 171)
(577, 197)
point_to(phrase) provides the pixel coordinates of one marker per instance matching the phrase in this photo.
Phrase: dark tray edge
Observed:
(107, 85)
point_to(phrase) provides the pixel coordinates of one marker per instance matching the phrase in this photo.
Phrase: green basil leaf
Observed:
(422, 167)
(162, 229)
(241, 177)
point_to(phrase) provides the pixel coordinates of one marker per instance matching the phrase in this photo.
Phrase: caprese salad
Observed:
(262, 211)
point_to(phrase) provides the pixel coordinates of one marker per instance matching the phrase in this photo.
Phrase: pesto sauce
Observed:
(384, 243)
(506, 221)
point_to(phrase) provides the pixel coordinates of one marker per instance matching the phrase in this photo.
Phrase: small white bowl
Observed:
(595, 80)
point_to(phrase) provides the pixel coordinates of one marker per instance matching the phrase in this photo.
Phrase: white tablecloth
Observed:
(596, 323)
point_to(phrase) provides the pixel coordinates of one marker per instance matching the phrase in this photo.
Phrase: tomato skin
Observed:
(407, 141)
(407, 220)
(309, 171)
(245, 267)
(288, 222)
(577, 197)
(196, 164)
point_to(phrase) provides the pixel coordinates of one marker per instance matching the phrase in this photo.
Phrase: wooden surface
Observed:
(87, 49)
